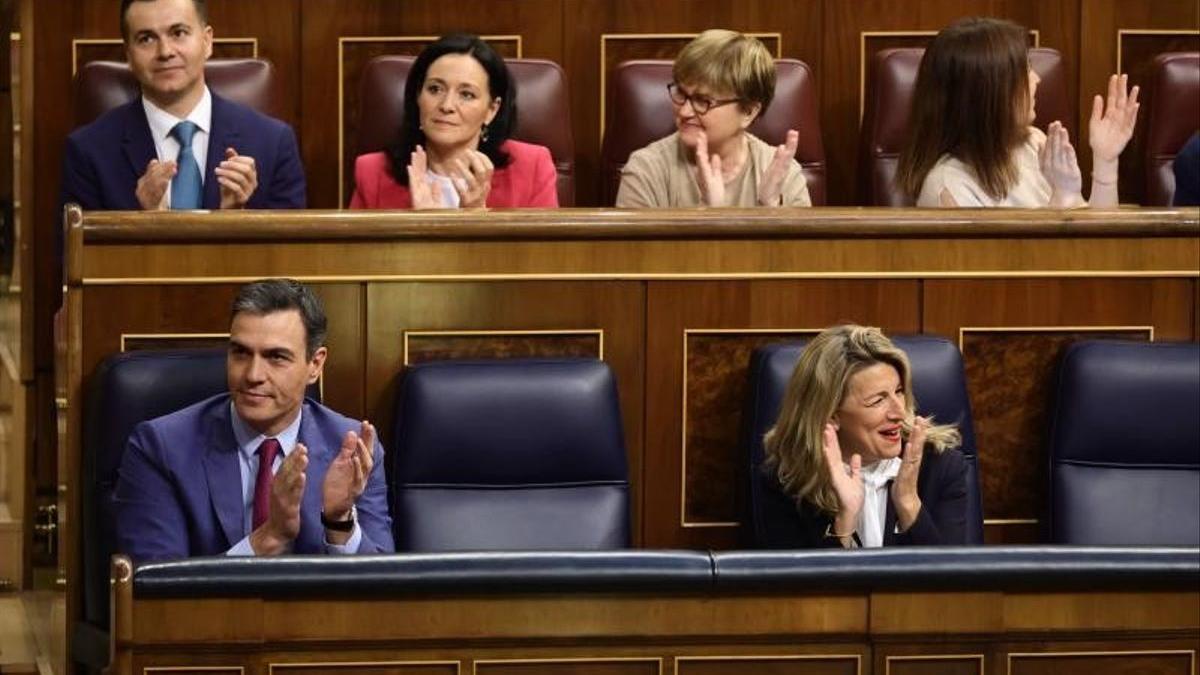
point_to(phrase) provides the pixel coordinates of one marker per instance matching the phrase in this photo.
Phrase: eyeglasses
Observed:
(700, 104)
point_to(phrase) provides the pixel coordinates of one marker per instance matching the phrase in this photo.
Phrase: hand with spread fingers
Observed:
(847, 484)
(283, 519)
(473, 179)
(1060, 167)
(1113, 119)
(347, 476)
(708, 174)
(152, 187)
(904, 487)
(770, 190)
(238, 179)
(426, 193)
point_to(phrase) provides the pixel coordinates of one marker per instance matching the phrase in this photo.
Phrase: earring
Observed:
(483, 134)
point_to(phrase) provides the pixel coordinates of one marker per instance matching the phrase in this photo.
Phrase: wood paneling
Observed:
(811, 664)
(1104, 662)
(365, 667)
(578, 666)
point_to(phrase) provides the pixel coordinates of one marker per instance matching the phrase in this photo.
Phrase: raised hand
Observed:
(347, 475)
(426, 193)
(237, 176)
(904, 487)
(1112, 122)
(1061, 168)
(771, 186)
(473, 179)
(847, 484)
(708, 174)
(283, 517)
(152, 187)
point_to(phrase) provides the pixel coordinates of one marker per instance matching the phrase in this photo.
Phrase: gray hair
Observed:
(267, 296)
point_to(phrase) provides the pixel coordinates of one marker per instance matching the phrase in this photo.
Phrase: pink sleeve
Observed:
(545, 181)
(365, 184)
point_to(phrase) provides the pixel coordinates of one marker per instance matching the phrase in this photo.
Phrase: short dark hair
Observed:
(200, 5)
(500, 85)
(973, 79)
(267, 296)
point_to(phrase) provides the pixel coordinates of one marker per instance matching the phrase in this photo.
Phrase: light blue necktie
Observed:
(186, 187)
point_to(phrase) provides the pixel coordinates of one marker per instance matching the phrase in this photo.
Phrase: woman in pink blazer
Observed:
(454, 150)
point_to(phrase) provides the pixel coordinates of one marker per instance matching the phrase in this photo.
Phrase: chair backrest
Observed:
(101, 86)
(509, 454)
(939, 385)
(892, 77)
(640, 112)
(1172, 116)
(543, 111)
(125, 390)
(1125, 445)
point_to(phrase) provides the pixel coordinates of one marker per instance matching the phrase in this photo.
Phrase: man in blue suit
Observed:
(260, 470)
(179, 146)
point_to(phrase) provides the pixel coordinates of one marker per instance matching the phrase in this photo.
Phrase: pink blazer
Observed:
(529, 180)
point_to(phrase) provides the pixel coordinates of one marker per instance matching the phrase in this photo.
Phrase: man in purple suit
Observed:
(261, 470)
(179, 146)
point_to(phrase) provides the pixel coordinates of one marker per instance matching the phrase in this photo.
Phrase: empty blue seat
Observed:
(1125, 445)
(509, 454)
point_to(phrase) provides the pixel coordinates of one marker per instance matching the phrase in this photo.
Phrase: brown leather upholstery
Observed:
(101, 86)
(1172, 116)
(640, 112)
(543, 114)
(890, 83)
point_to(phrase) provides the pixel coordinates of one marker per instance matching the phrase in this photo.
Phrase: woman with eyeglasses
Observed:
(454, 149)
(724, 80)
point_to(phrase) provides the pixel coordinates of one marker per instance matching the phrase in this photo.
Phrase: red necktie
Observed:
(262, 483)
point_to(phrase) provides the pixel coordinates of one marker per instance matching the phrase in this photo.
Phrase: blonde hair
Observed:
(794, 445)
(728, 61)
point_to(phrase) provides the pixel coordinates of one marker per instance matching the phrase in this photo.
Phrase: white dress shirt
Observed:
(873, 516)
(166, 147)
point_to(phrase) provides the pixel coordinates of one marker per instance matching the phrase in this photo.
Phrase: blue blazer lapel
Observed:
(225, 476)
(137, 142)
(223, 134)
(312, 535)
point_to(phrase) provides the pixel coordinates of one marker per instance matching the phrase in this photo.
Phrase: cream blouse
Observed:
(958, 180)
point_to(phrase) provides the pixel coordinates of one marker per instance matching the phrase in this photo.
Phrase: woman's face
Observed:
(455, 103)
(870, 415)
(723, 121)
(1031, 114)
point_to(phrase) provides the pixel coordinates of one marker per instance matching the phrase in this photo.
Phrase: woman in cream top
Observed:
(971, 139)
(723, 82)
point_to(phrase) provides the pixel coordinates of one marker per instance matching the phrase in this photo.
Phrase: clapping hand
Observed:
(904, 487)
(238, 178)
(473, 179)
(1113, 120)
(1060, 167)
(771, 186)
(283, 515)
(347, 475)
(847, 484)
(151, 191)
(425, 191)
(708, 174)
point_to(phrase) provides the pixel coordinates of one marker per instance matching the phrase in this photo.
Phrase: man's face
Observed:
(267, 370)
(167, 46)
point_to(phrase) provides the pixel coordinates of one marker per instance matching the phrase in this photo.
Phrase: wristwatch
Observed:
(340, 525)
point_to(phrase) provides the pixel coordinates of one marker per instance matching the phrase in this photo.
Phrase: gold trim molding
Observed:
(598, 332)
(887, 661)
(683, 398)
(341, 85)
(657, 660)
(605, 37)
(77, 42)
(773, 657)
(962, 330)
(1191, 653)
(361, 664)
(169, 336)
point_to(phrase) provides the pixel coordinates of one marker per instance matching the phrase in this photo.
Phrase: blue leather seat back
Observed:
(1125, 445)
(940, 387)
(509, 454)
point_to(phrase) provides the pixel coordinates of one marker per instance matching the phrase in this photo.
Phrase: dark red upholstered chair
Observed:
(891, 79)
(543, 113)
(101, 86)
(1172, 116)
(640, 112)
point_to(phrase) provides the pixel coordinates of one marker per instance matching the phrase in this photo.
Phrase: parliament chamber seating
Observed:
(101, 86)
(1172, 115)
(127, 389)
(941, 391)
(891, 78)
(640, 112)
(543, 111)
(1125, 445)
(509, 454)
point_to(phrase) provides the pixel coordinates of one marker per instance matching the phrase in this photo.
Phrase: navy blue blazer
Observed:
(941, 485)
(104, 159)
(179, 489)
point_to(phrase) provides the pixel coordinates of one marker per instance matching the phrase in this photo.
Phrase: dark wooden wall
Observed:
(319, 47)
